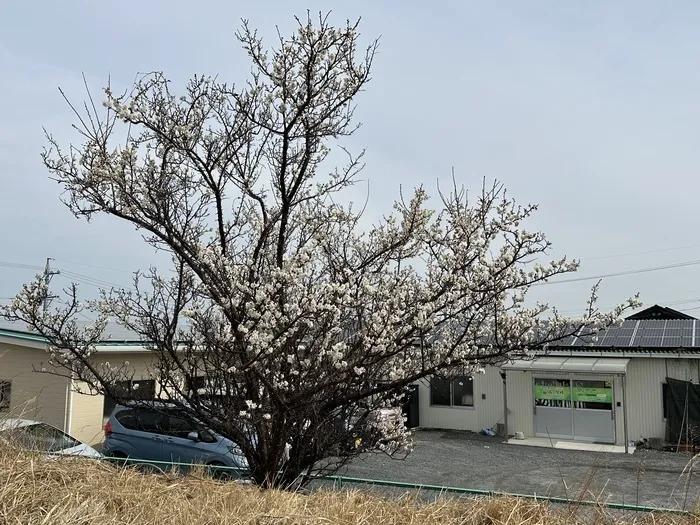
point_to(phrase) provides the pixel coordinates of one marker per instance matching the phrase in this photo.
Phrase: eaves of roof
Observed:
(32, 340)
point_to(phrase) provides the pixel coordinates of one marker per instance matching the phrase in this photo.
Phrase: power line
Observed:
(92, 280)
(21, 266)
(99, 283)
(665, 303)
(619, 274)
(93, 266)
(640, 253)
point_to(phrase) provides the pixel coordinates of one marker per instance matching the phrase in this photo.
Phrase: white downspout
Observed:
(69, 408)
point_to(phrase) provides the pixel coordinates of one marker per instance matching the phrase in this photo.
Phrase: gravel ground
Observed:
(461, 459)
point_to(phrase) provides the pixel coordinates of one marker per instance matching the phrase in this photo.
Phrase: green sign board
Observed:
(595, 395)
(553, 393)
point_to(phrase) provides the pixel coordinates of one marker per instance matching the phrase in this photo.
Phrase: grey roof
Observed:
(671, 334)
(115, 333)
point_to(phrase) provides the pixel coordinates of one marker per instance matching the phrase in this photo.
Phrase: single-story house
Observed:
(60, 401)
(610, 388)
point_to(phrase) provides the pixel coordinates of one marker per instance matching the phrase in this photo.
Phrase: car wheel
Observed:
(118, 458)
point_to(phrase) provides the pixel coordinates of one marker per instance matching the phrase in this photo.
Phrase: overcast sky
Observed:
(590, 109)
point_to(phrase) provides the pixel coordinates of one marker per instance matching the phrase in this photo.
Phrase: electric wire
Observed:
(86, 279)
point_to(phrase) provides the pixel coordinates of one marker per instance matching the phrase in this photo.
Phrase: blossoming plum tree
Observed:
(303, 323)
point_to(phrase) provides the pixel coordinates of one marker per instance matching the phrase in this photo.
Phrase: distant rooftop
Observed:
(657, 312)
(656, 327)
(114, 333)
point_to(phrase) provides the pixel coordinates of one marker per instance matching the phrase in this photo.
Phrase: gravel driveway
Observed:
(460, 459)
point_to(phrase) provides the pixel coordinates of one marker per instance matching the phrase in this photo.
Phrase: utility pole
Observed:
(48, 274)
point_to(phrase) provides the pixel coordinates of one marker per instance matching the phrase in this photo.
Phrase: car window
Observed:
(150, 421)
(143, 419)
(43, 437)
(180, 426)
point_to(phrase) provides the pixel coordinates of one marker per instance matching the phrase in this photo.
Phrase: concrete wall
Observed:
(487, 410)
(34, 395)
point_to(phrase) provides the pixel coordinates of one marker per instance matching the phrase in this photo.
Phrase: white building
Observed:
(609, 390)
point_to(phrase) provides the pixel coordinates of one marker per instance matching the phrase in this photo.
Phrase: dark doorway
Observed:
(411, 407)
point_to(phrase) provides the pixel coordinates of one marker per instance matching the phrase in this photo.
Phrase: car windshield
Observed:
(42, 437)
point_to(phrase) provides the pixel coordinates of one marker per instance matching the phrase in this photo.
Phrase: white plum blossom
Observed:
(300, 320)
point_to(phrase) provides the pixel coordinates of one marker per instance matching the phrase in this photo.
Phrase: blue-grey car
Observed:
(169, 434)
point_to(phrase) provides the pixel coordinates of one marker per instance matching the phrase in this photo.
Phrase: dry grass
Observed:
(35, 490)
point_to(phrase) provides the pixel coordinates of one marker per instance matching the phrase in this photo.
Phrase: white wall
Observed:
(485, 413)
(645, 399)
(86, 414)
(35, 395)
(521, 401)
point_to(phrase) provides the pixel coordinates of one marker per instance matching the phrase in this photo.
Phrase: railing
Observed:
(339, 482)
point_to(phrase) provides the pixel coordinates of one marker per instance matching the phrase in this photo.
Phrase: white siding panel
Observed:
(86, 415)
(489, 410)
(485, 413)
(453, 418)
(683, 369)
(520, 403)
(35, 395)
(644, 398)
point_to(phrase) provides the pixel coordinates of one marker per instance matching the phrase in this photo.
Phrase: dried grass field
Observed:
(36, 490)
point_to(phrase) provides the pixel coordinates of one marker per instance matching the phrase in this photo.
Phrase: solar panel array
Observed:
(656, 333)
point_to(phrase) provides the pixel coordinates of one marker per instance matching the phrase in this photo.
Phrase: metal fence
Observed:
(341, 481)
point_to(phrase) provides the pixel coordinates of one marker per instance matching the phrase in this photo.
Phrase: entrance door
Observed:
(553, 413)
(410, 407)
(594, 413)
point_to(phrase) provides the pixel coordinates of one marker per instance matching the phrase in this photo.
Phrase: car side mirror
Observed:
(194, 436)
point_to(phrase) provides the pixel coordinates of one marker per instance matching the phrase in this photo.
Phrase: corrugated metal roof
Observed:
(603, 365)
(115, 333)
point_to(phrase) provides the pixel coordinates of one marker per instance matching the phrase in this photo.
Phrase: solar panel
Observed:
(606, 338)
(620, 336)
(650, 333)
(651, 341)
(672, 340)
(623, 340)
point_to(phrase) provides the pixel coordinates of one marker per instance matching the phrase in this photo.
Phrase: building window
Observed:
(456, 392)
(200, 383)
(134, 389)
(5, 391)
